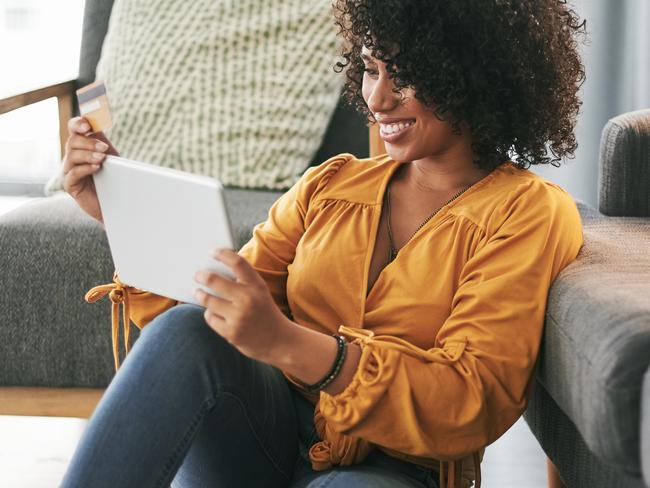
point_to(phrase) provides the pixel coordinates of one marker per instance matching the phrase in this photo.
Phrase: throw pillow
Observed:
(239, 90)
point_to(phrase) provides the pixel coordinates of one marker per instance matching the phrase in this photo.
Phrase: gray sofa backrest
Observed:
(624, 169)
(346, 132)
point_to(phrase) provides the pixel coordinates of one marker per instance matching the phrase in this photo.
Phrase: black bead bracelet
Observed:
(336, 367)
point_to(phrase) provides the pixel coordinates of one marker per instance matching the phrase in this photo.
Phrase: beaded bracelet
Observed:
(336, 367)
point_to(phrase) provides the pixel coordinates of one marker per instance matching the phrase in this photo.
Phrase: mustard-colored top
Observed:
(451, 329)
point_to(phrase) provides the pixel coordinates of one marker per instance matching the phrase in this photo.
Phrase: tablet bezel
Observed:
(149, 212)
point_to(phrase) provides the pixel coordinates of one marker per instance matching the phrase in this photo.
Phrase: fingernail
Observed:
(101, 146)
(84, 127)
(98, 156)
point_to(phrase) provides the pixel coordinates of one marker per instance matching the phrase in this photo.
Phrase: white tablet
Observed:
(162, 225)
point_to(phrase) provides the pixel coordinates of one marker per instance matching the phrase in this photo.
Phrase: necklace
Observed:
(392, 252)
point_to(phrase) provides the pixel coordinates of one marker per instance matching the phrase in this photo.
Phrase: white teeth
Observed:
(396, 127)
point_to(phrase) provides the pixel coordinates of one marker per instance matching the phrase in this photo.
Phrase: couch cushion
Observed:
(596, 344)
(52, 254)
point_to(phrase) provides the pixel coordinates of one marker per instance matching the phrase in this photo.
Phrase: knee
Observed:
(182, 327)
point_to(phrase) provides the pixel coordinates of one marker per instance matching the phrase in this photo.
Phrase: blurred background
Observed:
(39, 46)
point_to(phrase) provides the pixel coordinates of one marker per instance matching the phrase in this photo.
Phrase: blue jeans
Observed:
(187, 409)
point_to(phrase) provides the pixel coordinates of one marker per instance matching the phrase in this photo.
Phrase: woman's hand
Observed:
(247, 317)
(84, 155)
(244, 313)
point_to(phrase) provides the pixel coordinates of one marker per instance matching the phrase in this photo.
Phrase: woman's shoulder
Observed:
(529, 203)
(515, 191)
(348, 177)
(531, 192)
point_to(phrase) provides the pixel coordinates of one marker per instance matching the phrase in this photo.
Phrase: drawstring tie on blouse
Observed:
(118, 293)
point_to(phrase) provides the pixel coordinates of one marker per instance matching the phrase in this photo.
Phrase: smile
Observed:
(392, 131)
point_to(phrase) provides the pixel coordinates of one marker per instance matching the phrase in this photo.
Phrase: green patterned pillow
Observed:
(239, 90)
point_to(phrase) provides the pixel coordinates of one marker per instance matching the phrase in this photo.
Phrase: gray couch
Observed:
(590, 408)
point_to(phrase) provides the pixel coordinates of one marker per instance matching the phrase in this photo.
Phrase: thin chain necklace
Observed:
(392, 252)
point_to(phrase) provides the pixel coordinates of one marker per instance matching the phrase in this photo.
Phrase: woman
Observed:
(386, 318)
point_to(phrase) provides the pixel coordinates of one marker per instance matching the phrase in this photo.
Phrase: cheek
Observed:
(366, 88)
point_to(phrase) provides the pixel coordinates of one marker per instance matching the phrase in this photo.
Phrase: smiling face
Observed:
(409, 130)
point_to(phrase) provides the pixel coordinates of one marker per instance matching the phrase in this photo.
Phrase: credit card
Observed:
(93, 105)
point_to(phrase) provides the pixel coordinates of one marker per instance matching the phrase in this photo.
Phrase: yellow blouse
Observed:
(451, 329)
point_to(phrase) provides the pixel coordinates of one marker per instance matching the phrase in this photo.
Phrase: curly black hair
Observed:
(508, 69)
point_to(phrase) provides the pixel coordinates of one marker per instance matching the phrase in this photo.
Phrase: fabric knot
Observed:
(118, 294)
(335, 447)
(363, 336)
(320, 456)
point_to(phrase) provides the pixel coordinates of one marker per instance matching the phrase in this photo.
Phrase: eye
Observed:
(371, 72)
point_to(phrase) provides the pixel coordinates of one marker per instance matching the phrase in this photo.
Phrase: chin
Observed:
(399, 154)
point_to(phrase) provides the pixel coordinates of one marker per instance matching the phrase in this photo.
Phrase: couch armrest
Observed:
(60, 90)
(645, 428)
(624, 178)
(597, 337)
(52, 254)
(64, 93)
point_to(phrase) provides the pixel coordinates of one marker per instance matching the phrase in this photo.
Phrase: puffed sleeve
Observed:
(273, 245)
(466, 391)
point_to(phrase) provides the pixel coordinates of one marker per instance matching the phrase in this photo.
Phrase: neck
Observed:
(442, 176)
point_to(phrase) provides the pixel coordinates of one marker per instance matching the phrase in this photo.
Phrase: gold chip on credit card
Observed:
(93, 105)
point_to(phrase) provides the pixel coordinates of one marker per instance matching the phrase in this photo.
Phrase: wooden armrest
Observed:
(64, 92)
(66, 88)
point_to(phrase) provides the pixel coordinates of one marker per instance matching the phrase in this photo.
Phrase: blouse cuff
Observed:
(381, 357)
(372, 378)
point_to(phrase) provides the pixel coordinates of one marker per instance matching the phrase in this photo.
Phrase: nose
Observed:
(382, 98)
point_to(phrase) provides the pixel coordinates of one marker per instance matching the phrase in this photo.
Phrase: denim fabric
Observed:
(187, 409)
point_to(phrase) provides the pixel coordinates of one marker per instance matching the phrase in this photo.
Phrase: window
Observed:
(40, 42)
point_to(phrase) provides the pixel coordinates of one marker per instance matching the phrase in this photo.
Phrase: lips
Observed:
(391, 130)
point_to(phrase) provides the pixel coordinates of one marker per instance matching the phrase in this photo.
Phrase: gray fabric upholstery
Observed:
(645, 428)
(53, 253)
(556, 433)
(625, 166)
(247, 208)
(596, 345)
(590, 409)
